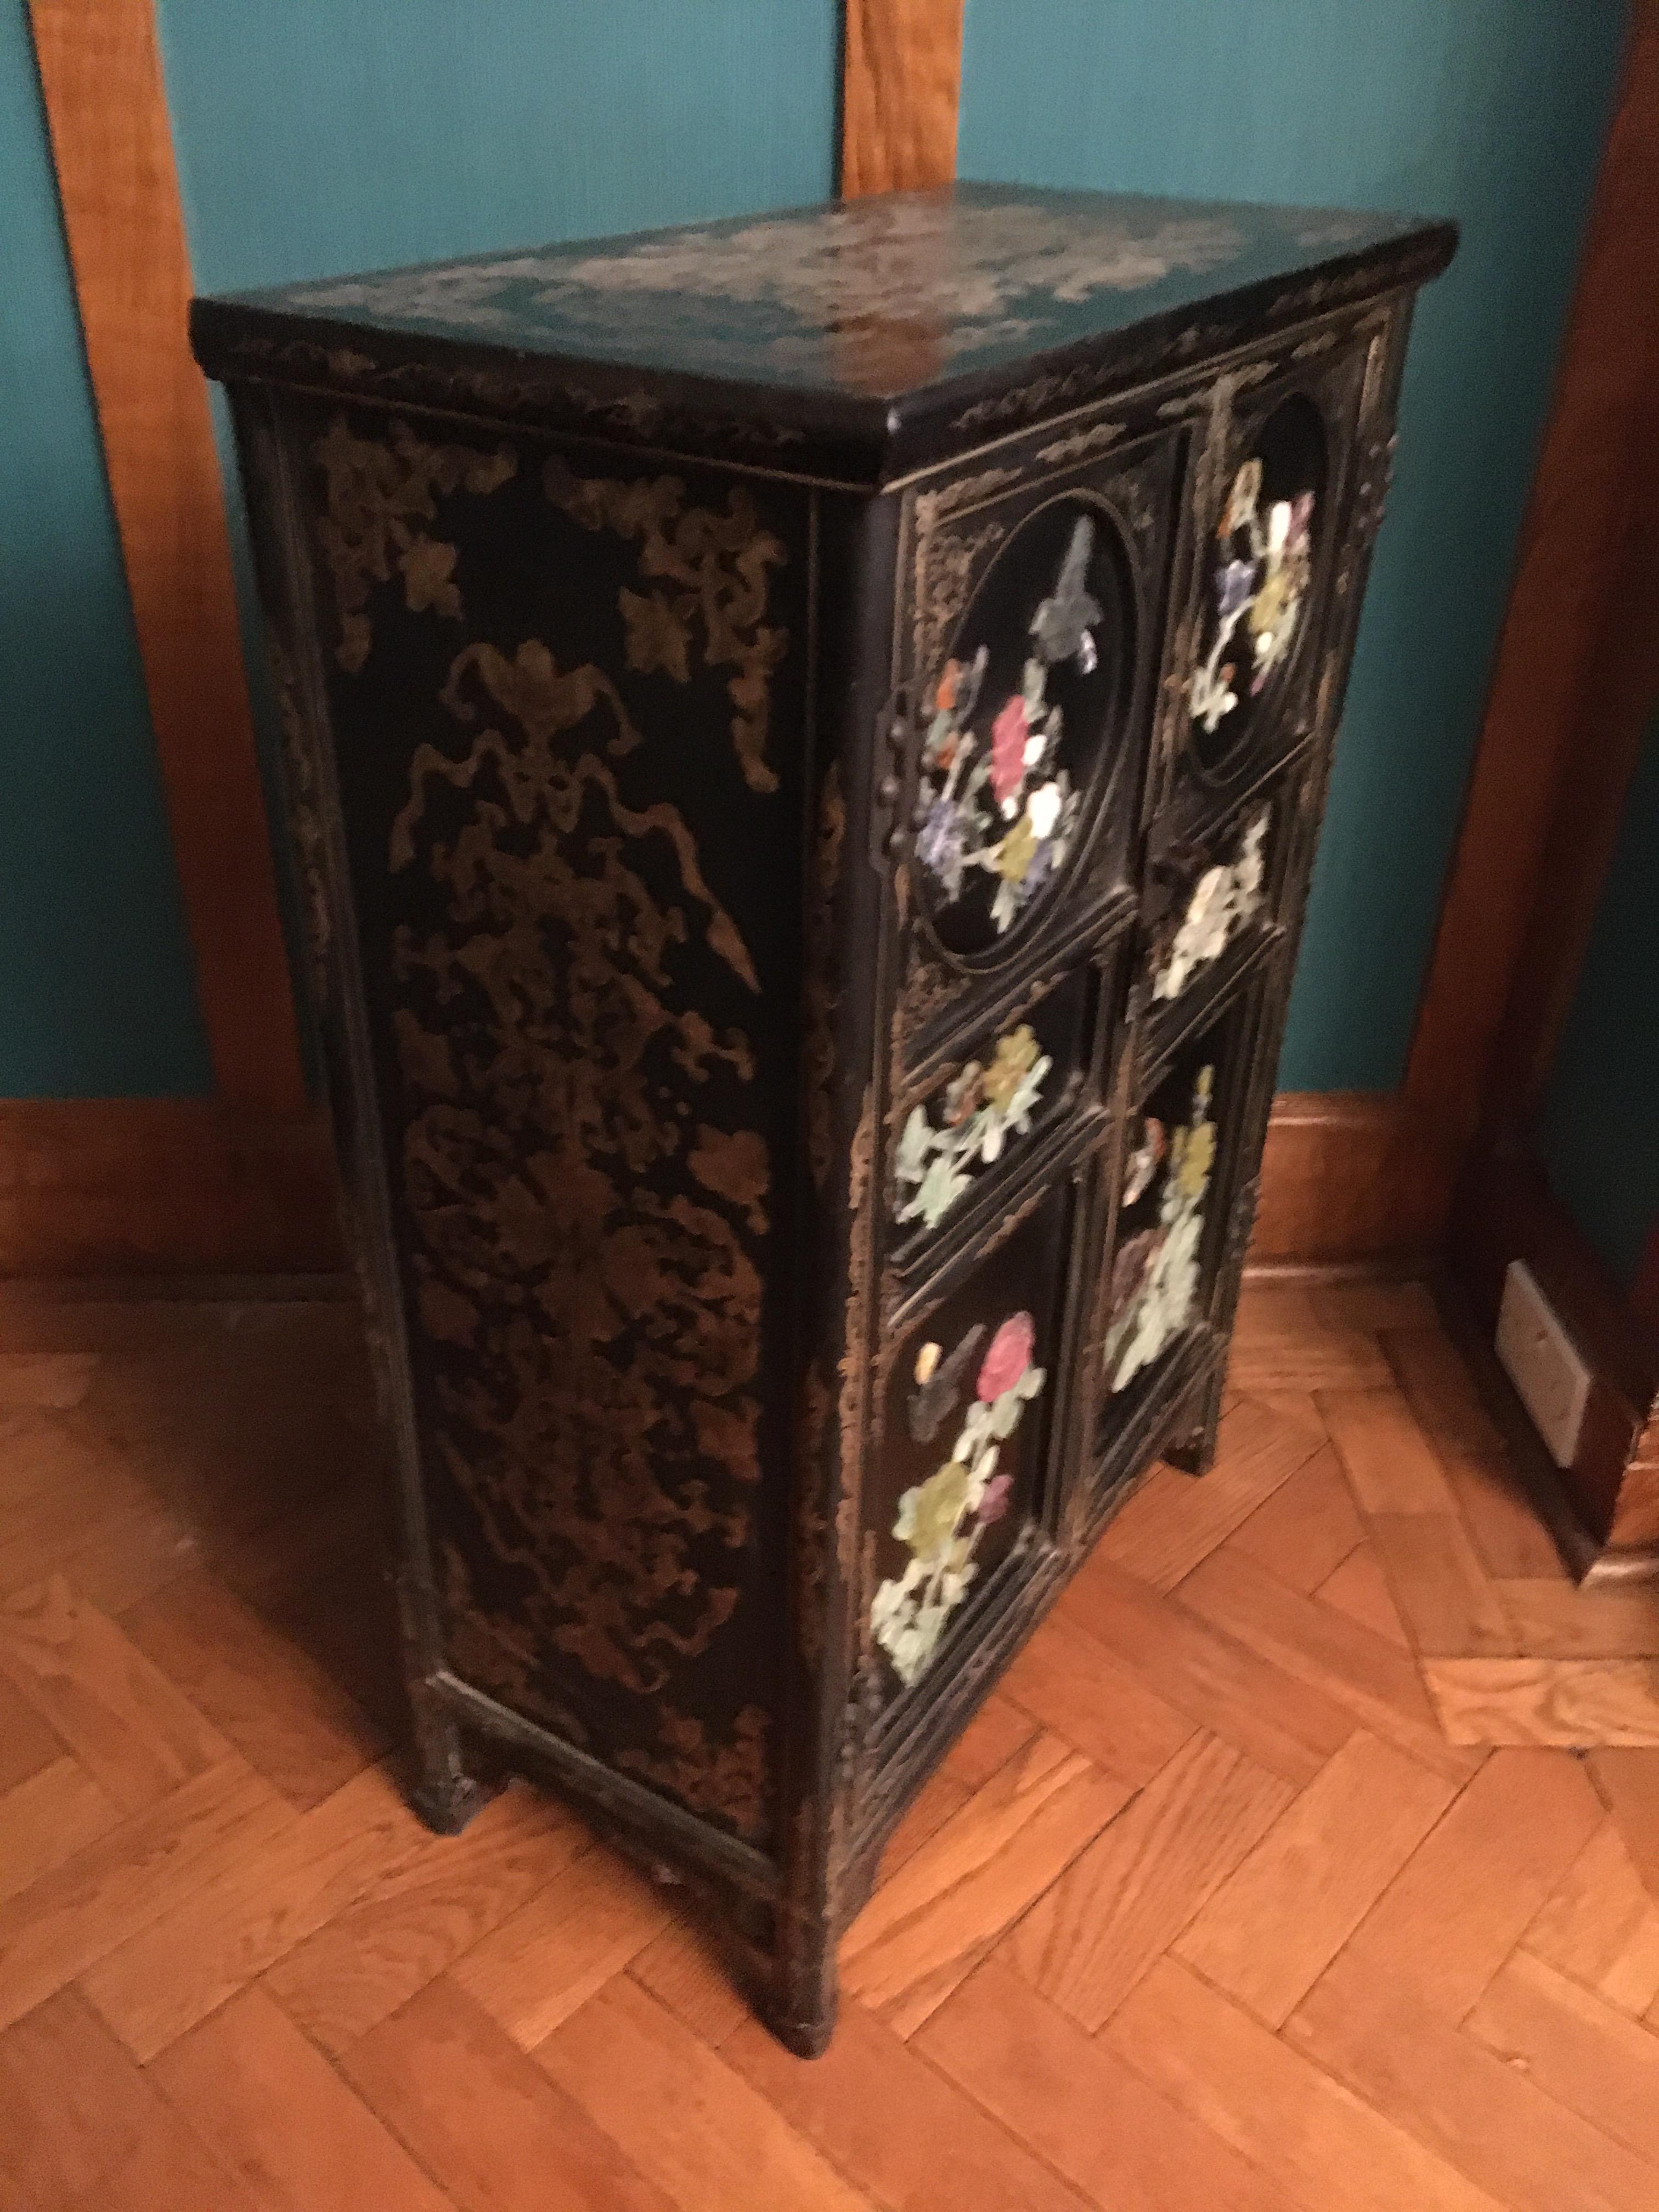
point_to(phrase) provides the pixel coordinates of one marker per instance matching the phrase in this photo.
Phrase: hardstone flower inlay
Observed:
(943, 1519)
(1155, 1275)
(964, 1127)
(994, 797)
(1222, 900)
(1260, 581)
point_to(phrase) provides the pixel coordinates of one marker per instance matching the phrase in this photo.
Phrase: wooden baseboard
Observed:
(1350, 1176)
(123, 1187)
(181, 1187)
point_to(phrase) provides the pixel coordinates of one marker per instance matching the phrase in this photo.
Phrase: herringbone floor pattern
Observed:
(1308, 1860)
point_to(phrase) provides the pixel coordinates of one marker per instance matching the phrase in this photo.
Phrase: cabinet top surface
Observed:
(857, 317)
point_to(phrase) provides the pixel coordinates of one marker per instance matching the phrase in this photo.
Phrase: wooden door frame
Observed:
(1573, 688)
(242, 1180)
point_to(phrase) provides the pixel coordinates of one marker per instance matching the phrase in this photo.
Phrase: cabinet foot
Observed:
(802, 2015)
(443, 1789)
(1193, 1450)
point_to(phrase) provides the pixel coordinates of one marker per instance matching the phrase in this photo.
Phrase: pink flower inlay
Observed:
(1009, 1356)
(1008, 735)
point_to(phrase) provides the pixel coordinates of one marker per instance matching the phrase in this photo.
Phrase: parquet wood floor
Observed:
(1307, 1860)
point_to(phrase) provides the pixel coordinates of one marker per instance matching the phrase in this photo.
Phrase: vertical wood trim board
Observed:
(900, 78)
(1549, 770)
(100, 73)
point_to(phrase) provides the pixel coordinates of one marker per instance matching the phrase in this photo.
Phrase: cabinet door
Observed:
(1029, 626)
(1185, 1146)
(959, 1500)
(1263, 594)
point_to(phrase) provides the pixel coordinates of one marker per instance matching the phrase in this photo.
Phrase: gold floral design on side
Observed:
(379, 492)
(304, 812)
(588, 1207)
(732, 1780)
(714, 565)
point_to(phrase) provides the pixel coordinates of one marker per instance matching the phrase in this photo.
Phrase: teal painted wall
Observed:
(1599, 1128)
(312, 136)
(97, 988)
(315, 136)
(320, 136)
(1491, 111)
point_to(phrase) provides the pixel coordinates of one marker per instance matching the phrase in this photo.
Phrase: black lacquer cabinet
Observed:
(804, 743)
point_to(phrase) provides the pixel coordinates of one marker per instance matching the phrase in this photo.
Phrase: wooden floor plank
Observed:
(361, 1965)
(1555, 1619)
(1575, 1703)
(1278, 1722)
(80, 2127)
(485, 2120)
(1172, 1522)
(926, 1929)
(1586, 2054)
(1278, 1921)
(1325, 2147)
(1464, 1899)
(1379, 1685)
(288, 1719)
(895, 2126)
(1069, 2096)
(1461, 2102)
(547, 1958)
(1359, 1590)
(135, 1734)
(1440, 1589)
(275, 2113)
(692, 2124)
(1511, 1540)
(685, 1969)
(1389, 1462)
(1600, 1927)
(1282, 1343)
(119, 1567)
(141, 1868)
(47, 1819)
(55, 1379)
(1191, 1813)
(56, 1493)
(939, 1799)
(1373, 1305)
(1629, 1780)
(1087, 1941)
(1063, 1679)
(1309, 1526)
(997, 1732)
(174, 1973)
(26, 1744)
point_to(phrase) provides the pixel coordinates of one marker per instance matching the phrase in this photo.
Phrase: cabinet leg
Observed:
(444, 1791)
(1193, 1449)
(802, 2015)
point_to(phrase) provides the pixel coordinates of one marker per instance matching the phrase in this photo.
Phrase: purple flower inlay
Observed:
(1234, 584)
(994, 1504)
(939, 845)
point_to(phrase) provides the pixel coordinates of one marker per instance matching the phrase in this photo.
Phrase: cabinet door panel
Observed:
(1178, 1164)
(976, 1122)
(961, 1480)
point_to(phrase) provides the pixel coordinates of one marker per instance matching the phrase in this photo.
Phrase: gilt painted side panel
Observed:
(567, 698)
